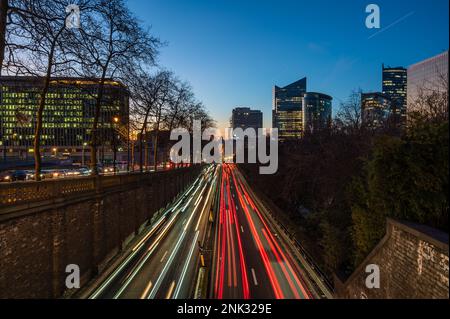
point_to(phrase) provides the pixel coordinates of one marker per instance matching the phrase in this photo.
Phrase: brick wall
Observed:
(413, 263)
(87, 225)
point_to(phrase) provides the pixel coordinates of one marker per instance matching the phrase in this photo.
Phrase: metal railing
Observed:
(19, 193)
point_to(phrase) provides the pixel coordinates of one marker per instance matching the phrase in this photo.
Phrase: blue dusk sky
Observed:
(233, 52)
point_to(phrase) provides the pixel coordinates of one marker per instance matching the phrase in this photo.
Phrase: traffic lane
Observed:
(280, 247)
(114, 282)
(145, 274)
(188, 274)
(284, 280)
(181, 274)
(227, 275)
(252, 276)
(117, 283)
(153, 279)
(258, 278)
(177, 276)
(235, 283)
(142, 277)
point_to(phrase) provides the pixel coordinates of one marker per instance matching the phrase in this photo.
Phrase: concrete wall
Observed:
(413, 263)
(46, 226)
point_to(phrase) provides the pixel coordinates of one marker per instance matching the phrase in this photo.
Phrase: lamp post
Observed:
(82, 155)
(116, 121)
(128, 146)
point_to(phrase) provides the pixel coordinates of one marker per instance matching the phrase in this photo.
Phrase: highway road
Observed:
(163, 264)
(251, 260)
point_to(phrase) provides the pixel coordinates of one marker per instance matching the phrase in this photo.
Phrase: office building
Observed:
(317, 112)
(288, 110)
(67, 119)
(395, 88)
(244, 117)
(425, 78)
(375, 109)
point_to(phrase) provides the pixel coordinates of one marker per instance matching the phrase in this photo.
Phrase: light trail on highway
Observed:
(163, 263)
(251, 260)
(247, 258)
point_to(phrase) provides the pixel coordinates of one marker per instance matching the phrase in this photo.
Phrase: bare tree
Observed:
(111, 41)
(150, 94)
(430, 103)
(198, 112)
(38, 47)
(4, 8)
(7, 9)
(179, 105)
(350, 114)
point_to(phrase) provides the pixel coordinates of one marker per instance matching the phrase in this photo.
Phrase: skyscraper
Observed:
(425, 78)
(316, 112)
(288, 110)
(375, 109)
(395, 88)
(244, 117)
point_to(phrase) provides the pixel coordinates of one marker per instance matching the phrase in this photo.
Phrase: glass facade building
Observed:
(395, 88)
(375, 109)
(426, 77)
(288, 110)
(317, 112)
(244, 117)
(68, 115)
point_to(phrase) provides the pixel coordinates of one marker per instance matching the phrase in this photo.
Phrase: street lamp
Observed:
(82, 155)
(116, 121)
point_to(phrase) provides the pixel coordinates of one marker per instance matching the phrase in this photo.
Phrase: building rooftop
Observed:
(62, 80)
(295, 84)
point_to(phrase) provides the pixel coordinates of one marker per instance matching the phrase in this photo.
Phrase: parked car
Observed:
(13, 176)
(85, 171)
(6, 176)
(20, 175)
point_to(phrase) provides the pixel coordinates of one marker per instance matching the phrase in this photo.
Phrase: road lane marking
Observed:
(233, 258)
(166, 266)
(254, 277)
(150, 233)
(204, 206)
(147, 289)
(132, 275)
(140, 245)
(228, 251)
(242, 229)
(186, 265)
(164, 256)
(169, 292)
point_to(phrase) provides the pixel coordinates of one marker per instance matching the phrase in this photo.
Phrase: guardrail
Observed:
(304, 254)
(18, 193)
